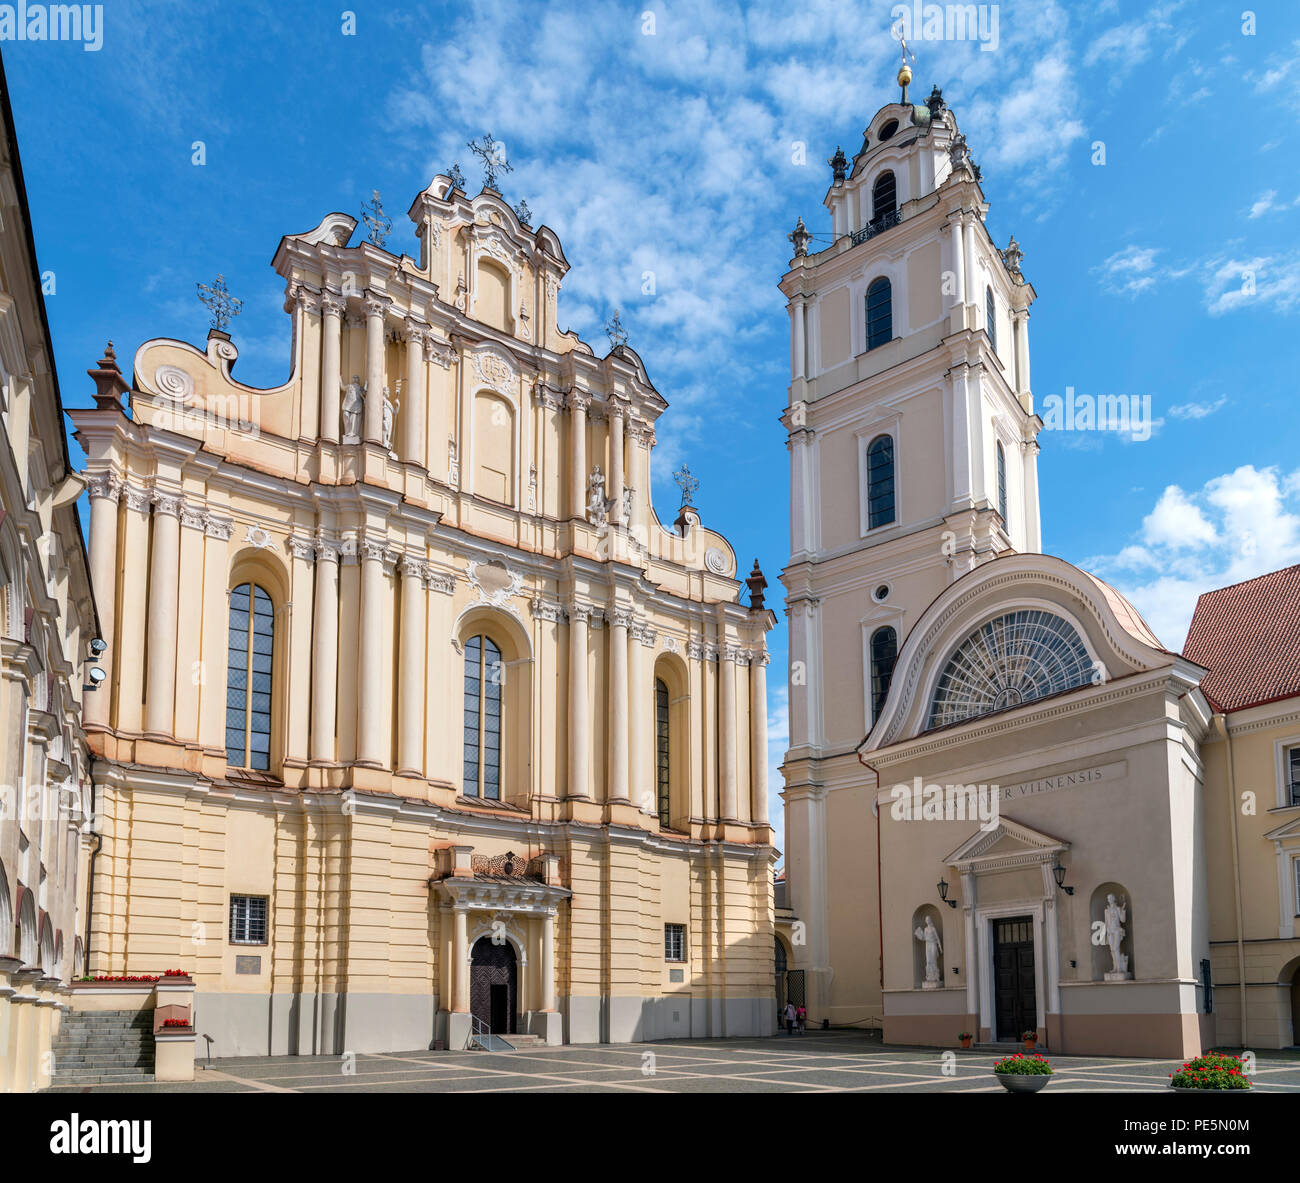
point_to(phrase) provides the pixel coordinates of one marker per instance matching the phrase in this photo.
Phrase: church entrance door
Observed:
(1013, 976)
(494, 985)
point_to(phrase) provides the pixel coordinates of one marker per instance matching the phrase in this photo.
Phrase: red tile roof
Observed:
(1248, 637)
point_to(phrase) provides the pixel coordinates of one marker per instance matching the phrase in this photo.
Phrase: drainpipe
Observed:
(880, 898)
(1221, 721)
(90, 874)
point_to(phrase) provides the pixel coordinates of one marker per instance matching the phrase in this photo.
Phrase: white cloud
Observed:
(1266, 204)
(1176, 522)
(1272, 281)
(1237, 526)
(1198, 410)
(1129, 272)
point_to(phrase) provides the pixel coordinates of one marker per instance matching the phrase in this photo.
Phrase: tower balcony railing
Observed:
(878, 226)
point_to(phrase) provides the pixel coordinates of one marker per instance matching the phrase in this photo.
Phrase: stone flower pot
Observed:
(1015, 1083)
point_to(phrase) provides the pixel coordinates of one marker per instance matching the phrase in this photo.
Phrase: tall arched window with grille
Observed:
(880, 313)
(880, 481)
(663, 754)
(484, 674)
(884, 655)
(1002, 486)
(884, 196)
(991, 317)
(250, 652)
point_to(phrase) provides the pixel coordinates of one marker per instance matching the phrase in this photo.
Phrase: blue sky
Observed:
(671, 146)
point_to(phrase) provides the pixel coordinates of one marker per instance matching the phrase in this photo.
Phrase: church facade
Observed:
(422, 723)
(1002, 792)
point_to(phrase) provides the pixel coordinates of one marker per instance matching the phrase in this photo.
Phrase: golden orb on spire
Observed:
(904, 74)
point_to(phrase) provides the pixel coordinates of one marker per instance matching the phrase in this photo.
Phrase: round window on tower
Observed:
(881, 594)
(888, 130)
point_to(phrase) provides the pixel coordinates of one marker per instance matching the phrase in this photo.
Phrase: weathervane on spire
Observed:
(378, 223)
(687, 484)
(905, 71)
(493, 155)
(615, 331)
(221, 304)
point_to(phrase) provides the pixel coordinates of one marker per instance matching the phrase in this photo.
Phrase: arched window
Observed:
(884, 197)
(880, 313)
(249, 653)
(1009, 661)
(884, 654)
(1002, 486)
(484, 673)
(991, 318)
(880, 482)
(663, 756)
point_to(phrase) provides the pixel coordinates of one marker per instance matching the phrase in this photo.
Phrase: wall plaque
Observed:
(245, 964)
(677, 975)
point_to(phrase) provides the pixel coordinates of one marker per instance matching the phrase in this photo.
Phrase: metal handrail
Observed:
(881, 224)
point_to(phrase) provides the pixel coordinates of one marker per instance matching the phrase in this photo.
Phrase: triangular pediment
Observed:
(1008, 840)
(1289, 829)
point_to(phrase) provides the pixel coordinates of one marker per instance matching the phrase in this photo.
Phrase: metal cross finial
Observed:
(493, 155)
(687, 484)
(456, 177)
(525, 215)
(377, 222)
(615, 332)
(221, 304)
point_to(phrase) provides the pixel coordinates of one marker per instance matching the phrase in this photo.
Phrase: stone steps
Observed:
(103, 1047)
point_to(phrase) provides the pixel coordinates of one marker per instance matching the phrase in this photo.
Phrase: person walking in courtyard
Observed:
(802, 1015)
(790, 1015)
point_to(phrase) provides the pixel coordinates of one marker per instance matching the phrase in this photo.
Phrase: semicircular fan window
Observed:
(1009, 661)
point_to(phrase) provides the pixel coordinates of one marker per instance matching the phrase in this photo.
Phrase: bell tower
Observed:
(912, 440)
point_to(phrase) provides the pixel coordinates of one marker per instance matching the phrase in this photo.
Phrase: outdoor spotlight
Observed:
(97, 646)
(1058, 873)
(96, 675)
(943, 893)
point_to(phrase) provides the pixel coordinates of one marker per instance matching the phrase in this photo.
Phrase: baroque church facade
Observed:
(421, 722)
(1005, 802)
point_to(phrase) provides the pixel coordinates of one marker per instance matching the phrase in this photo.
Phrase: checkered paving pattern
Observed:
(820, 1061)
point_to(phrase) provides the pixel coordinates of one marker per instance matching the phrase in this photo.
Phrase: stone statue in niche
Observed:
(353, 406)
(597, 508)
(1115, 917)
(625, 514)
(390, 414)
(930, 936)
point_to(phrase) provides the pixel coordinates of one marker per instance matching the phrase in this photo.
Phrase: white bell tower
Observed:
(912, 440)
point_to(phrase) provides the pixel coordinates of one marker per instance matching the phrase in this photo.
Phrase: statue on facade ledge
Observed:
(353, 407)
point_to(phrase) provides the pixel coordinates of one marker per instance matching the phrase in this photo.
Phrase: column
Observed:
(972, 954)
(758, 737)
(105, 490)
(968, 262)
(640, 708)
(325, 658)
(374, 418)
(726, 727)
(579, 737)
(370, 737)
(8, 1020)
(958, 263)
(615, 493)
(411, 651)
(798, 366)
(414, 429)
(578, 404)
(548, 961)
(618, 725)
(135, 558)
(1021, 323)
(164, 574)
(460, 963)
(299, 614)
(216, 634)
(24, 1020)
(331, 377)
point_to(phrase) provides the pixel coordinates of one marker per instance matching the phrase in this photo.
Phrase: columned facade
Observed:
(405, 698)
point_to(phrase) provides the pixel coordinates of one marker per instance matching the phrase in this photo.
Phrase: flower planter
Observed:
(1177, 1088)
(1014, 1083)
(966, 1043)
